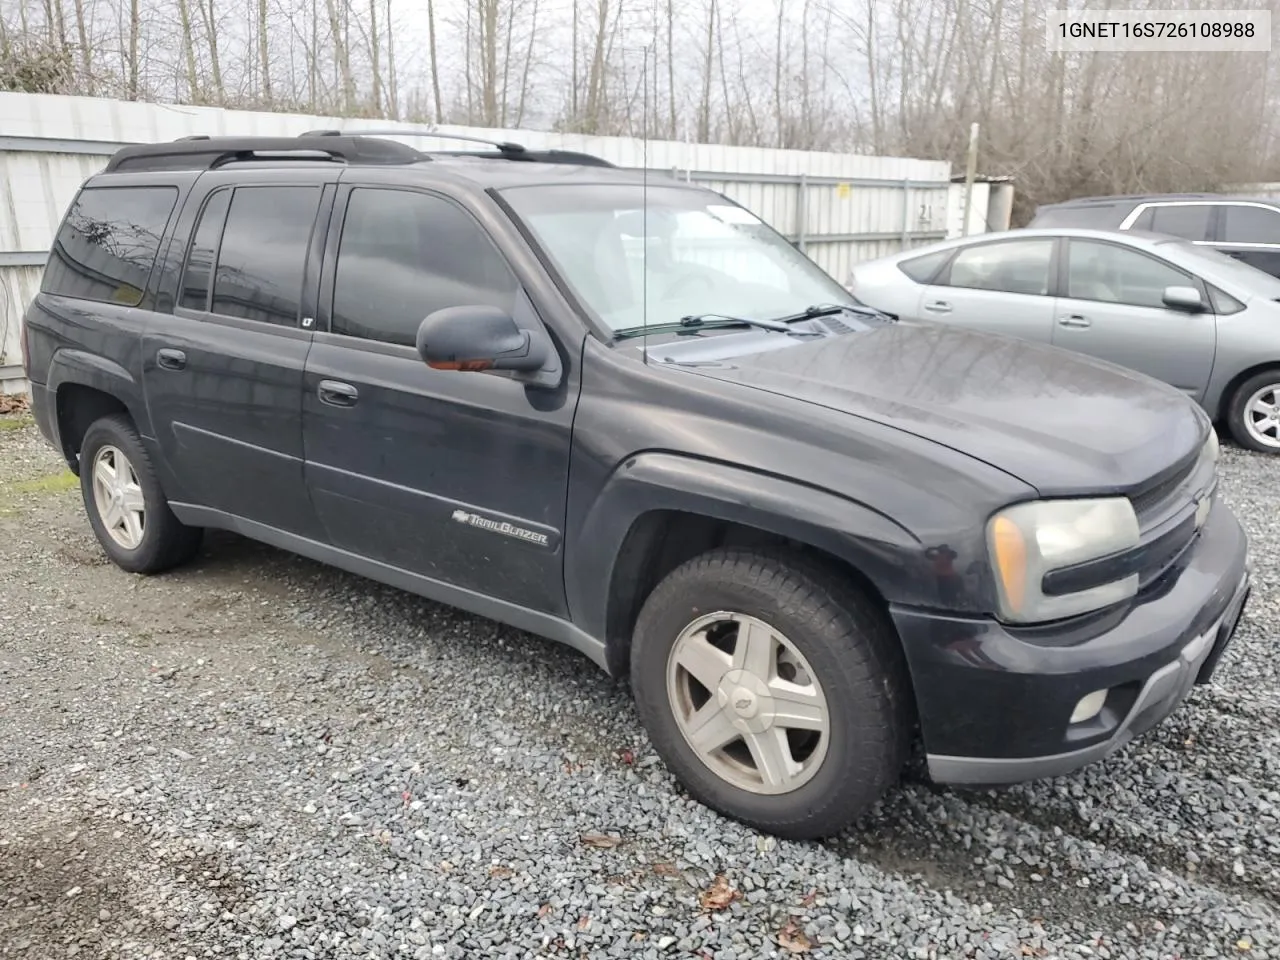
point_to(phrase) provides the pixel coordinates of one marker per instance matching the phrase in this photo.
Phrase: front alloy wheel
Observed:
(747, 702)
(773, 688)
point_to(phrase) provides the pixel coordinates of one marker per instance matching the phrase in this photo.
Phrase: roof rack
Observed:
(202, 152)
(506, 149)
(205, 152)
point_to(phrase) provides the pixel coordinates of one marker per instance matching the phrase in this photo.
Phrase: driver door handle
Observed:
(171, 359)
(337, 394)
(1074, 320)
(938, 306)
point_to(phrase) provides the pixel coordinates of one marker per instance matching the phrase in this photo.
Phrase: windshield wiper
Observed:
(715, 321)
(829, 309)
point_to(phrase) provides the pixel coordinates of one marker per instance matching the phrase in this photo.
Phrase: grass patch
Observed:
(20, 422)
(53, 483)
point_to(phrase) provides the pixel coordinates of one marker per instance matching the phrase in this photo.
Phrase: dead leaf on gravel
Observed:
(544, 910)
(600, 840)
(584, 923)
(13, 403)
(1029, 951)
(666, 870)
(500, 872)
(792, 939)
(719, 895)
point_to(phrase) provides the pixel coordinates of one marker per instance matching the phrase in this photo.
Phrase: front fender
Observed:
(884, 551)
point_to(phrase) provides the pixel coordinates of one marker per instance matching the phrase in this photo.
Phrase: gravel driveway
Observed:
(258, 756)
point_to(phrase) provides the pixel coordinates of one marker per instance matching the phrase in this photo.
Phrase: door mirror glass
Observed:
(1183, 298)
(475, 338)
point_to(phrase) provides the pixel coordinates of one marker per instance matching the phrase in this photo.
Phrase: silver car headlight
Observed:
(1028, 540)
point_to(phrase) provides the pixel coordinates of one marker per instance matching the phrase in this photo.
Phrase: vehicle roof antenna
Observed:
(644, 193)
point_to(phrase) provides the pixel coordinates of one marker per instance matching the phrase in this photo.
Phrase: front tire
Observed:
(1253, 415)
(126, 505)
(773, 689)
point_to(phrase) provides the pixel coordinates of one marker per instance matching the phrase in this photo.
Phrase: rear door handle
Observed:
(938, 306)
(171, 359)
(1074, 320)
(337, 394)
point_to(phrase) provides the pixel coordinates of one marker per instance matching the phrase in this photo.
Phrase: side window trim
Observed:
(1155, 205)
(1065, 293)
(525, 315)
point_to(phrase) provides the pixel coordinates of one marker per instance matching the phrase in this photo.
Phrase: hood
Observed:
(1058, 420)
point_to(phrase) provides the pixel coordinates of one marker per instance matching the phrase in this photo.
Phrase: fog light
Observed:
(1089, 707)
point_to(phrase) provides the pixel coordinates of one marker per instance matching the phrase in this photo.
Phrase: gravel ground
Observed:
(261, 757)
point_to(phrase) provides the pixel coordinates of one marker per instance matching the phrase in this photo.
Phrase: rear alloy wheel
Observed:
(773, 689)
(126, 505)
(1254, 414)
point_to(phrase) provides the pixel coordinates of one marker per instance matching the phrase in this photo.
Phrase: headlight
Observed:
(1031, 539)
(1211, 451)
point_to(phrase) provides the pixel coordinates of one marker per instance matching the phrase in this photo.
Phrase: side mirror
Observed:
(475, 338)
(1183, 298)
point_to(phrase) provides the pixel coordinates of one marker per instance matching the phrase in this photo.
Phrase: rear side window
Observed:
(1010, 266)
(204, 247)
(263, 255)
(404, 255)
(107, 244)
(923, 269)
(1188, 221)
(1250, 224)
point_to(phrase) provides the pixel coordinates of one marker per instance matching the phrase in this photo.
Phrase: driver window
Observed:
(1113, 274)
(404, 255)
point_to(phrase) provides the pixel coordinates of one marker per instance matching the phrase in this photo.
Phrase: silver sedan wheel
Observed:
(748, 703)
(117, 495)
(1262, 416)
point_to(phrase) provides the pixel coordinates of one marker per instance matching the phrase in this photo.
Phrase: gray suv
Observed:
(628, 416)
(1241, 227)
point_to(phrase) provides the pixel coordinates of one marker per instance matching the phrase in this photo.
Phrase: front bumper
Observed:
(995, 703)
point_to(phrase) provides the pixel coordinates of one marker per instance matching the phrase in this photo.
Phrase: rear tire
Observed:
(808, 722)
(126, 506)
(1247, 416)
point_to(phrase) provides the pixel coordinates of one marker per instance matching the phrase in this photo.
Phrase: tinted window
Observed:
(1251, 224)
(925, 268)
(1015, 266)
(264, 252)
(1103, 271)
(404, 255)
(1191, 222)
(204, 247)
(107, 243)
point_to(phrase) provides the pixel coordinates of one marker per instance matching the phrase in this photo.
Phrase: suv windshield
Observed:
(640, 259)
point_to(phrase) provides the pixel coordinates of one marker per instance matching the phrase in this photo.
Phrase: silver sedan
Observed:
(1172, 309)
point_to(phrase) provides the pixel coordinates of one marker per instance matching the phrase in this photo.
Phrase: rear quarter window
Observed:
(107, 244)
(924, 268)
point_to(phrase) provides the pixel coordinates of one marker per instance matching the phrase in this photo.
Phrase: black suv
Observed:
(624, 414)
(1244, 228)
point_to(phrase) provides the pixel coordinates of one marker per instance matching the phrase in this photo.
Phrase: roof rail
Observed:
(202, 152)
(506, 149)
